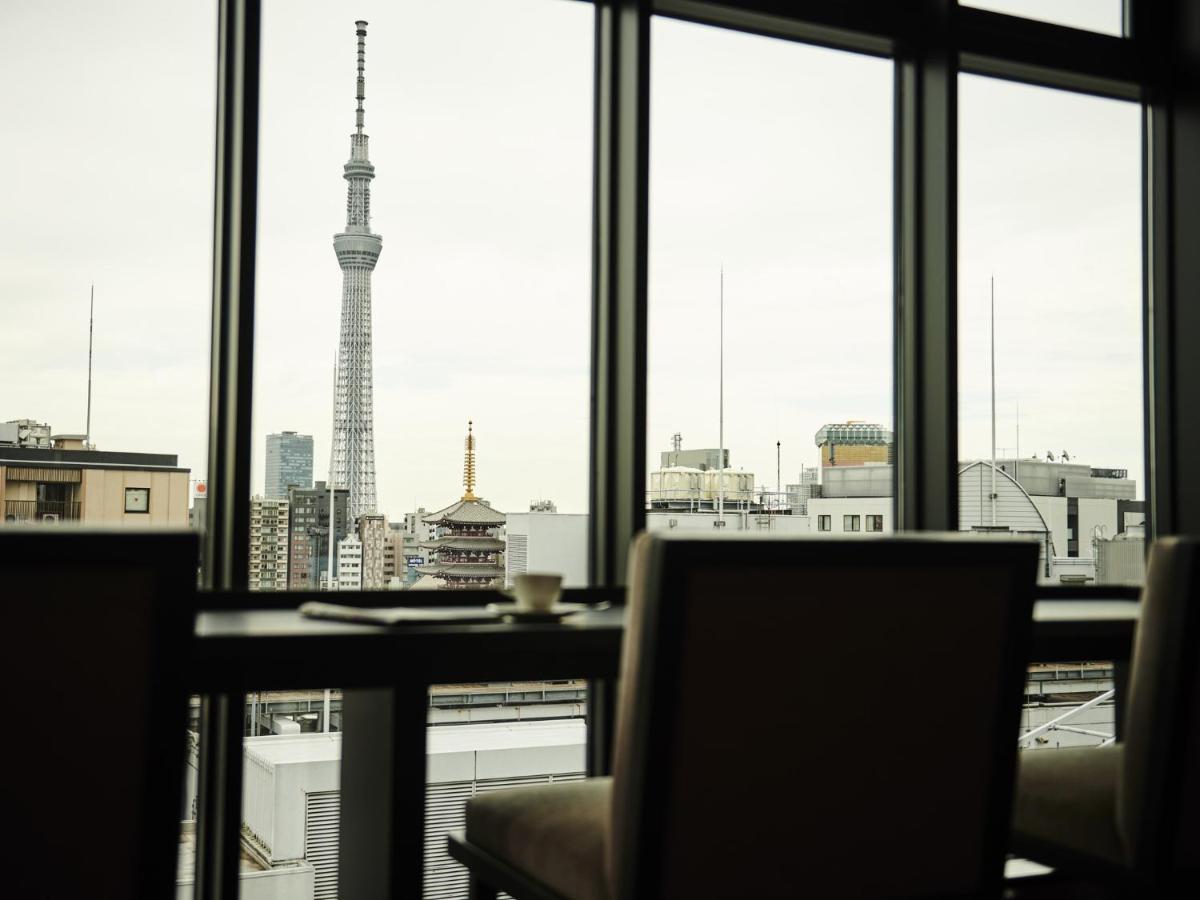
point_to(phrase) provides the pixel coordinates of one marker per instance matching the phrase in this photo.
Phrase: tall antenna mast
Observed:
(87, 437)
(778, 481)
(993, 338)
(721, 408)
(361, 30)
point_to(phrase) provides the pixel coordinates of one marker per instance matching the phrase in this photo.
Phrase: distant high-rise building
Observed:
(799, 494)
(357, 251)
(289, 462)
(268, 544)
(467, 549)
(373, 533)
(855, 444)
(309, 534)
(349, 564)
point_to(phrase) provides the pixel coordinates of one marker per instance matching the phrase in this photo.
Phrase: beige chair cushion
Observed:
(554, 833)
(1067, 798)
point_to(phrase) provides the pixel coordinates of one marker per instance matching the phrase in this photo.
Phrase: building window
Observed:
(137, 500)
(851, 523)
(874, 523)
(823, 523)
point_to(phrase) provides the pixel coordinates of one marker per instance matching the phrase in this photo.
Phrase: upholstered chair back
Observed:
(1158, 795)
(831, 717)
(98, 629)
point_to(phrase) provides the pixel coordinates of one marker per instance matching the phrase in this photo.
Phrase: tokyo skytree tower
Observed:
(357, 252)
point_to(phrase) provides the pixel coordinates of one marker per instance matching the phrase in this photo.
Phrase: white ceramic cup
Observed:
(536, 592)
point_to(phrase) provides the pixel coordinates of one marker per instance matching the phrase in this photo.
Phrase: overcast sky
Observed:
(771, 158)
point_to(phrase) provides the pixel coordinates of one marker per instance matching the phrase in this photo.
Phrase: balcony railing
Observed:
(40, 510)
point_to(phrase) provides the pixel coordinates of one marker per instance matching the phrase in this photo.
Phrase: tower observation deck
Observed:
(357, 251)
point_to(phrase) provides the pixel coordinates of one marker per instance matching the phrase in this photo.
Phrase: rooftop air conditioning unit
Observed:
(49, 517)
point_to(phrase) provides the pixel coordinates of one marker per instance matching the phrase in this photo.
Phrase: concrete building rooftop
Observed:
(88, 459)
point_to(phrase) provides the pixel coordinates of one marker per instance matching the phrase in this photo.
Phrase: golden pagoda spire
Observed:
(469, 465)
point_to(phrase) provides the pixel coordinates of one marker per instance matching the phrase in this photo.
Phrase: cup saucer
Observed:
(554, 614)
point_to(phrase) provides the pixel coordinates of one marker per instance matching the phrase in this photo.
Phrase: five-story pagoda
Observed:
(467, 548)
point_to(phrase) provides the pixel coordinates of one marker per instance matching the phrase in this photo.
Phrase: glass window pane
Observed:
(106, 268)
(770, 285)
(1103, 16)
(444, 266)
(1050, 213)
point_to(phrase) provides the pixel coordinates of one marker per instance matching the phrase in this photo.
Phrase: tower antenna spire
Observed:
(361, 27)
(469, 464)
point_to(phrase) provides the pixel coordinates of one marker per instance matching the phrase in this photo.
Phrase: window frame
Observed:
(930, 43)
(137, 512)
(929, 47)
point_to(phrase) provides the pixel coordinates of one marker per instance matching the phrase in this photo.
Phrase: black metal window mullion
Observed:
(227, 533)
(1170, 36)
(619, 265)
(925, 248)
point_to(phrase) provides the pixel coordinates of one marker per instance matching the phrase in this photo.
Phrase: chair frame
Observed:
(489, 874)
(638, 848)
(1149, 866)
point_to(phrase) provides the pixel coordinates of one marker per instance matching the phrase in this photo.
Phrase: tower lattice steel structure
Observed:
(357, 252)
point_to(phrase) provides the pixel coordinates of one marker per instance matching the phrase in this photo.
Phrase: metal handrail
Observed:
(1056, 722)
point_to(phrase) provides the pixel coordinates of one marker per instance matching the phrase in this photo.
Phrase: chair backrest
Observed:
(834, 718)
(1158, 795)
(97, 629)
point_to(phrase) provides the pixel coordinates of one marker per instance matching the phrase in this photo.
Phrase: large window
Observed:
(456, 306)
(770, 282)
(423, 309)
(1050, 326)
(105, 281)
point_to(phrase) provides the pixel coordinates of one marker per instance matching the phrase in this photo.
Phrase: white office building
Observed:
(350, 564)
(547, 542)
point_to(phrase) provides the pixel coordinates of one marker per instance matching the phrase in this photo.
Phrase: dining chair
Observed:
(824, 716)
(97, 629)
(1132, 807)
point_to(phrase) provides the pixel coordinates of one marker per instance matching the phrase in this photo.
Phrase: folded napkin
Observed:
(397, 615)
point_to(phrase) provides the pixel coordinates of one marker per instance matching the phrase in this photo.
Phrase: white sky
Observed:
(771, 157)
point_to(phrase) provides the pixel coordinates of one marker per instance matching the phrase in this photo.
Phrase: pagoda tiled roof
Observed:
(465, 542)
(462, 570)
(467, 512)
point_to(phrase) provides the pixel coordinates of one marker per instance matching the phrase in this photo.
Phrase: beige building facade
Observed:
(67, 484)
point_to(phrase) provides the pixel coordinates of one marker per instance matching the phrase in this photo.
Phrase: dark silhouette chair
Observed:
(1132, 807)
(774, 731)
(97, 629)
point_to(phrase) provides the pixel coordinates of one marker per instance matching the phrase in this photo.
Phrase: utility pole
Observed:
(721, 408)
(993, 339)
(87, 438)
